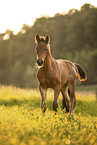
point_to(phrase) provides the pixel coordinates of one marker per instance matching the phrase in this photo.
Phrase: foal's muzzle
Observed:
(40, 62)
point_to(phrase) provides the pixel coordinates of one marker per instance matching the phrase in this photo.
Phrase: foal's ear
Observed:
(47, 39)
(37, 37)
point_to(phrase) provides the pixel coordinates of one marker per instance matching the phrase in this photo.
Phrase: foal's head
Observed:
(42, 47)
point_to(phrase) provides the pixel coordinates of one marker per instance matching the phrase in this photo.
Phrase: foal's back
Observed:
(68, 70)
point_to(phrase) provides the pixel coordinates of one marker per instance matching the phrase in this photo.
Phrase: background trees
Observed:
(73, 36)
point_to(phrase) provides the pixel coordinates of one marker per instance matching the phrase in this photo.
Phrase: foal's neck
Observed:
(48, 60)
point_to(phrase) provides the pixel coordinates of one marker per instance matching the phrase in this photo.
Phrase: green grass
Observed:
(22, 122)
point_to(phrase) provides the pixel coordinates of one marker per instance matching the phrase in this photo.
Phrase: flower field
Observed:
(22, 122)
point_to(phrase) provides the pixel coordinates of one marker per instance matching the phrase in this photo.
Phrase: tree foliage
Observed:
(73, 37)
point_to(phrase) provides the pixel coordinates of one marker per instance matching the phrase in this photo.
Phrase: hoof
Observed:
(43, 108)
(55, 107)
(72, 115)
(65, 106)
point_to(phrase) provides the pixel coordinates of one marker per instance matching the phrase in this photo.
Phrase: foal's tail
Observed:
(81, 72)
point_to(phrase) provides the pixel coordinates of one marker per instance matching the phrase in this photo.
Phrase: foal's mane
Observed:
(42, 39)
(45, 39)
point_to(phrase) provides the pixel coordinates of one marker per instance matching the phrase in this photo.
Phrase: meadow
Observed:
(22, 122)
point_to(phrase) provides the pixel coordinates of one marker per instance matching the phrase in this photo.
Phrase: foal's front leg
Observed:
(43, 98)
(55, 102)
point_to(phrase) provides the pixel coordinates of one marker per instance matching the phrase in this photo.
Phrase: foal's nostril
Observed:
(40, 62)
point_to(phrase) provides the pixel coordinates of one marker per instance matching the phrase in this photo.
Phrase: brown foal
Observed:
(56, 74)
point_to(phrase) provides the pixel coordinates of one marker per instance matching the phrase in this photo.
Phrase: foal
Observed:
(56, 74)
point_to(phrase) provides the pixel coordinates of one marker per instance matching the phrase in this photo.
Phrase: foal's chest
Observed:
(46, 79)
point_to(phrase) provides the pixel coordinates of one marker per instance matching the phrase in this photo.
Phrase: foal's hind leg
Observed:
(72, 85)
(64, 91)
(43, 99)
(64, 102)
(65, 106)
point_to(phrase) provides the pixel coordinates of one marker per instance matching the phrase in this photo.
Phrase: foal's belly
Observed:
(47, 84)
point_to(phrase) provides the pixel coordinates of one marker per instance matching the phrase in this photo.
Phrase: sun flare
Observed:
(16, 13)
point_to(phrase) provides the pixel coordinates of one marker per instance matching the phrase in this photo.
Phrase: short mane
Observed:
(42, 39)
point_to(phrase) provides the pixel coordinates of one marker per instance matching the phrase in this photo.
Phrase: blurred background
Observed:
(72, 29)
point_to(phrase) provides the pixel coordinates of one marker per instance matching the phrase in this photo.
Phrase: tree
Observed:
(73, 36)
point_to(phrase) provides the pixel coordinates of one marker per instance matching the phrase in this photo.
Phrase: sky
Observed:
(15, 13)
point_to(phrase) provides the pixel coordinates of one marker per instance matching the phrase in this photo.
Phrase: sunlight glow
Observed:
(15, 13)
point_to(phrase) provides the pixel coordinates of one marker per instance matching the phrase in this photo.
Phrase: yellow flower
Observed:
(68, 141)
